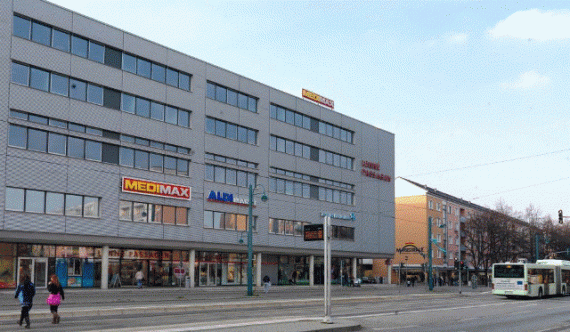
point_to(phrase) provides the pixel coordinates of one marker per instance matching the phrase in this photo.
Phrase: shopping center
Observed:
(123, 155)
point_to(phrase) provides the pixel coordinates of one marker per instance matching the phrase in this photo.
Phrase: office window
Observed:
(37, 140)
(41, 34)
(182, 167)
(184, 82)
(141, 159)
(128, 103)
(208, 217)
(125, 210)
(18, 136)
(35, 201)
(79, 46)
(219, 174)
(252, 104)
(54, 203)
(113, 57)
(230, 221)
(59, 85)
(211, 90)
(181, 216)
(110, 154)
(183, 118)
(241, 222)
(171, 77)
(94, 94)
(156, 162)
(57, 144)
(143, 68)
(218, 220)
(14, 199)
(220, 128)
(157, 111)
(61, 40)
(91, 207)
(96, 52)
(232, 97)
(143, 107)
(209, 173)
(171, 115)
(73, 205)
(242, 101)
(76, 127)
(158, 73)
(20, 74)
(39, 79)
(155, 213)
(140, 212)
(220, 94)
(129, 63)
(242, 134)
(22, 27)
(170, 165)
(78, 90)
(76, 147)
(93, 150)
(169, 215)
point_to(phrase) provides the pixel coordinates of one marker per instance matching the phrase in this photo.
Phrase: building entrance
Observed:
(36, 267)
(210, 274)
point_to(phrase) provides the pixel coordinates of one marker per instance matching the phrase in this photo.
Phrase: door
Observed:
(36, 267)
(210, 274)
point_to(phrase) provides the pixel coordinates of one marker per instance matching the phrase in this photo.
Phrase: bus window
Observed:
(509, 271)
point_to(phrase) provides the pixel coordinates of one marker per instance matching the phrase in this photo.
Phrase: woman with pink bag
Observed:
(55, 297)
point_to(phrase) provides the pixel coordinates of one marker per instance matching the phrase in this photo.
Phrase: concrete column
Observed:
(192, 267)
(105, 267)
(389, 276)
(354, 260)
(312, 270)
(258, 269)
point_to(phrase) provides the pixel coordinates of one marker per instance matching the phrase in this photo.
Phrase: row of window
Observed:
(230, 176)
(226, 95)
(75, 147)
(226, 220)
(305, 190)
(97, 132)
(47, 202)
(153, 213)
(231, 131)
(231, 161)
(303, 121)
(286, 227)
(84, 91)
(74, 44)
(305, 151)
(307, 177)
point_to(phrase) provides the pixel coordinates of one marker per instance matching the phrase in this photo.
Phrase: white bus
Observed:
(546, 277)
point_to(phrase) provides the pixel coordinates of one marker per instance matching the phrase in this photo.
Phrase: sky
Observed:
(475, 92)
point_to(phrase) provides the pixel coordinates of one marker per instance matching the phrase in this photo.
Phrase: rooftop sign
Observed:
(318, 99)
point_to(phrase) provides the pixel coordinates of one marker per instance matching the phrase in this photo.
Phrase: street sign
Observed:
(313, 232)
(179, 272)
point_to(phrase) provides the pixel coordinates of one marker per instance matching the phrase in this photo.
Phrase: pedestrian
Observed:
(139, 276)
(55, 297)
(266, 284)
(25, 293)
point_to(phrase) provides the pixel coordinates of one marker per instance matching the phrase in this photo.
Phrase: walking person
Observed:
(55, 297)
(266, 284)
(139, 277)
(25, 293)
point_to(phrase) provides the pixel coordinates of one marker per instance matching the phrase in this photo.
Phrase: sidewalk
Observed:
(130, 300)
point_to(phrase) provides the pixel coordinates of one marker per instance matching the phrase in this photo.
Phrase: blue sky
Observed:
(459, 83)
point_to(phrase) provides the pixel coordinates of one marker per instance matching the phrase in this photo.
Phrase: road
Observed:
(375, 309)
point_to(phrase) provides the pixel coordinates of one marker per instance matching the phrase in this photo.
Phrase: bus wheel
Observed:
(540, 293)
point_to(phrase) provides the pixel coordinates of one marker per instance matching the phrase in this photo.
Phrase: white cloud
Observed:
(529, 80)
(534, 24)
(458, 38)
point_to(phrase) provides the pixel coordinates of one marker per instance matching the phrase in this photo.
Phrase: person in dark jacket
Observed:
(27, 290)
(54, 287)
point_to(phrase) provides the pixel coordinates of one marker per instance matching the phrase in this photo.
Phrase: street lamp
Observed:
(250, 237)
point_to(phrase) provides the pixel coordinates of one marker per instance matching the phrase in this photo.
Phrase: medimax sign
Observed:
(153, 188)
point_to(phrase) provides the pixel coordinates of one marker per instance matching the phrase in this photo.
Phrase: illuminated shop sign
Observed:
(152, 188)
(351, 216)
(318, 99)
(369, 169)
(221, 197)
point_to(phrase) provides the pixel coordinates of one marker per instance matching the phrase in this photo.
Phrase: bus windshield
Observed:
(509, 271)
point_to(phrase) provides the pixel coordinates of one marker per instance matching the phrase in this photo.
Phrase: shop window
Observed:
(230, 221)
(155, 213)
(241, 222)
(181, 216)
(74, 267)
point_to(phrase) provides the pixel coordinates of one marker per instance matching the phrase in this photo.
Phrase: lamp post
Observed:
(250, 237)
(430, 257)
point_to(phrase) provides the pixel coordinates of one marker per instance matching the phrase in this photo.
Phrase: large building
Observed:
(120, 154)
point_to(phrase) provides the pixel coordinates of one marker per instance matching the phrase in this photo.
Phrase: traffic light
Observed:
(462, 265)
(560, 217)
(456, 264)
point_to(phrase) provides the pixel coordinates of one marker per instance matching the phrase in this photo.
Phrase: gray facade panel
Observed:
(45, 57)
(45, 12)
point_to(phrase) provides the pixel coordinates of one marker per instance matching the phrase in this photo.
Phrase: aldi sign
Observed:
(145, 187)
